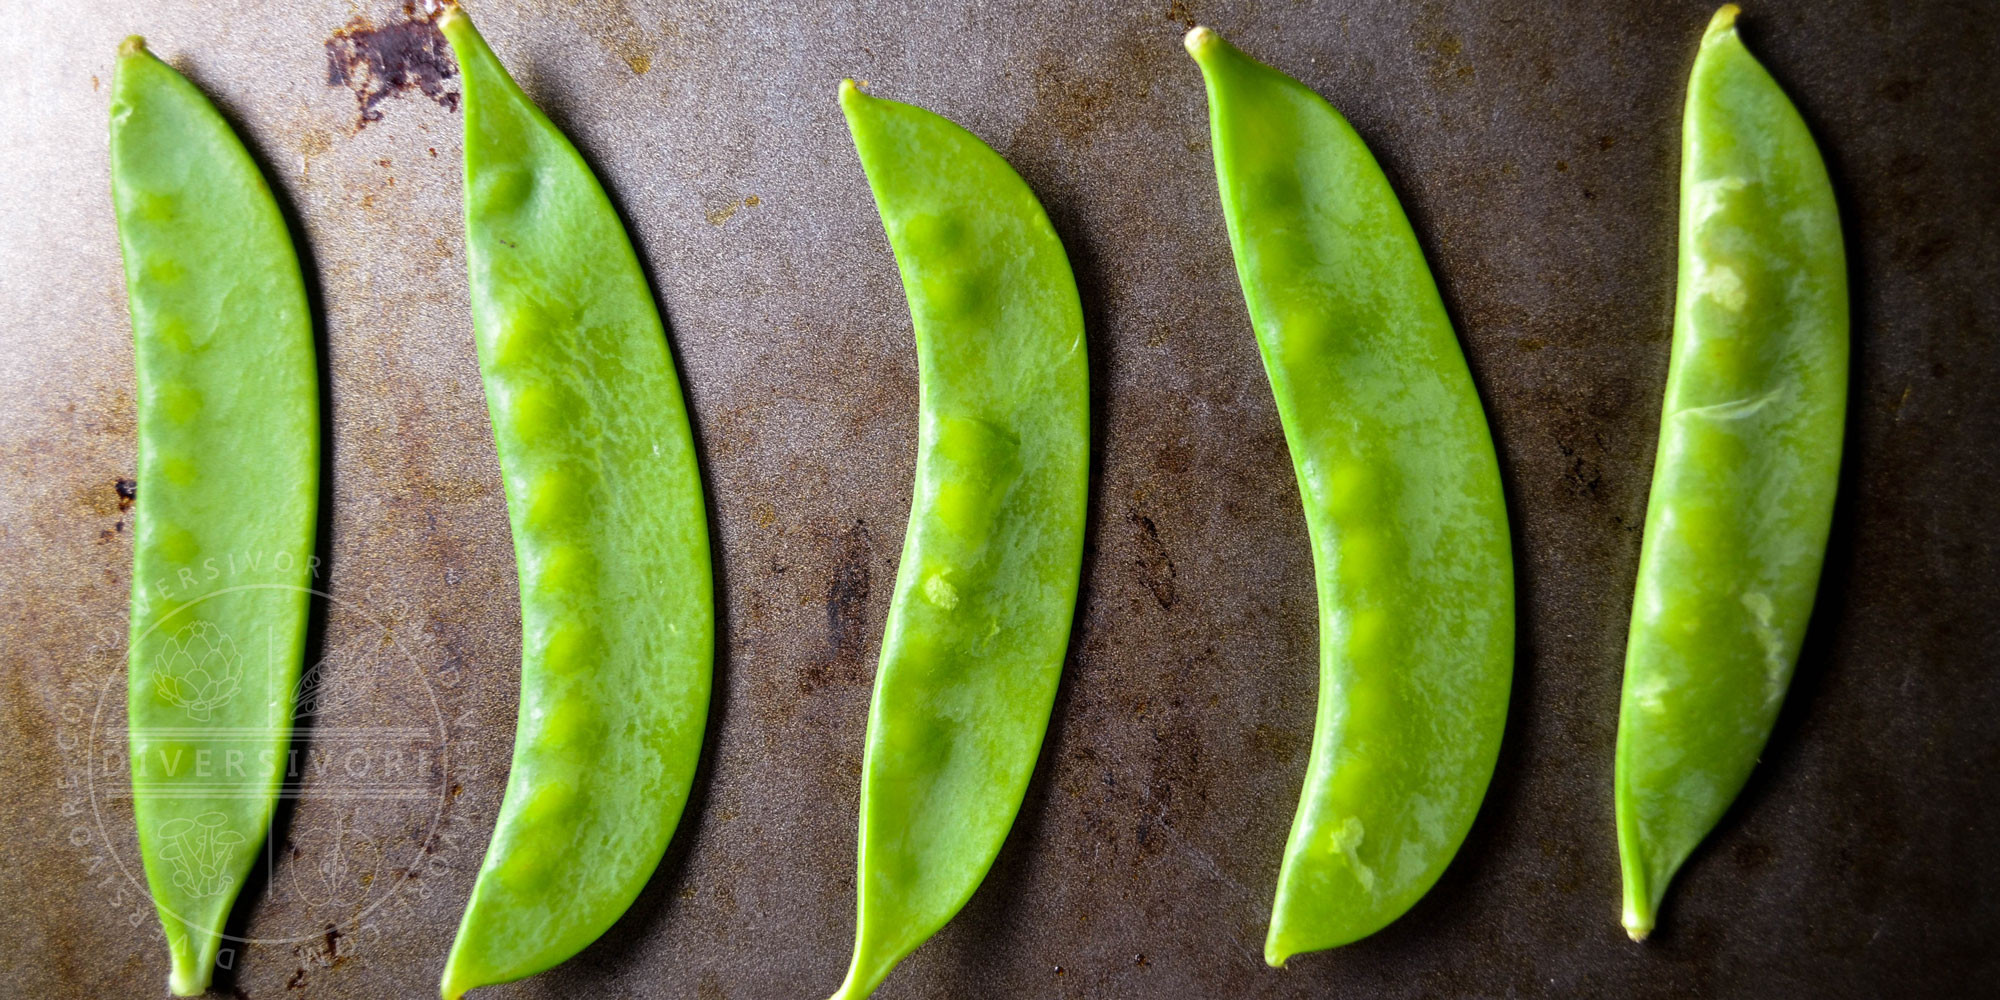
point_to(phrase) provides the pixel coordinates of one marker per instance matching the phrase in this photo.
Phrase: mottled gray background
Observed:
(1535, 146)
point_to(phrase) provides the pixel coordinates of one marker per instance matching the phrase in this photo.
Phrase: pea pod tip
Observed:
(188, 982)
(1200, 39)
(1723, 22)
(132, 45)
(1638, 925)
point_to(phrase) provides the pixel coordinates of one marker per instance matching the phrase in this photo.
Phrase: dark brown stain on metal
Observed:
(1156, 566)
(128, 491)
(846, 612)
(376, 63)
(1449, 68)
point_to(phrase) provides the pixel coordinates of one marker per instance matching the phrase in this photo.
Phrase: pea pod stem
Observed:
(228, 465)
(980, 620)
(610, 537)
(1749, 458)
(1402, 500)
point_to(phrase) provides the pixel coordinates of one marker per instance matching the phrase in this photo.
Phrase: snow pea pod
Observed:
(1749, 456)
(610, 538)
(1402, 500)
(228, 494)
(980, 619)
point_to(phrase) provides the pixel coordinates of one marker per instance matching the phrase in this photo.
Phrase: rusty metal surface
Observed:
(1537, 154)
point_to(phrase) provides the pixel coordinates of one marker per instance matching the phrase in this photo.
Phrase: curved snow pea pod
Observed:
(1749, 456)
(228, 493)
(980, 619)
(610, 535)
(1402, 500)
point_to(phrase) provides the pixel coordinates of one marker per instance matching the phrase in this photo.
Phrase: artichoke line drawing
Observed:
(199, 670)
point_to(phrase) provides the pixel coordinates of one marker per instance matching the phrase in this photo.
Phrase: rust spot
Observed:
(1896, 91)
(1275, 745)
(375, 63)
(323, 951)
(128, 491)
(1181, 11)
(314, 143)
(722, 214)
(1072, 103)
(1751, 855)
(1921, 256)
(1156, 567)
(1449, 68)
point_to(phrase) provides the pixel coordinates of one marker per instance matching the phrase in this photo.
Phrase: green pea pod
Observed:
(980, 620)
(228, 491)
(1402, 501)
(610, 537)
(1749, 457)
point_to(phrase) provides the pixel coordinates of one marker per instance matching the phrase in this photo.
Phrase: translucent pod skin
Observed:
(1402, 501)
(610, 536)
(1749, 457)
(980, 620)
(228, 494)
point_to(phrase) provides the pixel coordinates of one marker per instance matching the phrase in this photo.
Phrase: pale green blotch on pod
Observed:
(557, 497)
(1370, 633)
(571, 728)
(180, 471)
(164, 270)
(571, 648)
(1364, 557)
(180, 401)
(566, 569)
(955, 295)
(1305, 335)
(171, 336)
(1351, 489)
(177, 545)
(538, 408)
(505, 188)
(526, 333)
(933, 235)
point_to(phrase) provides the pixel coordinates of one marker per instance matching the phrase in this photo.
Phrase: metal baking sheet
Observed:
(1535, 146)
